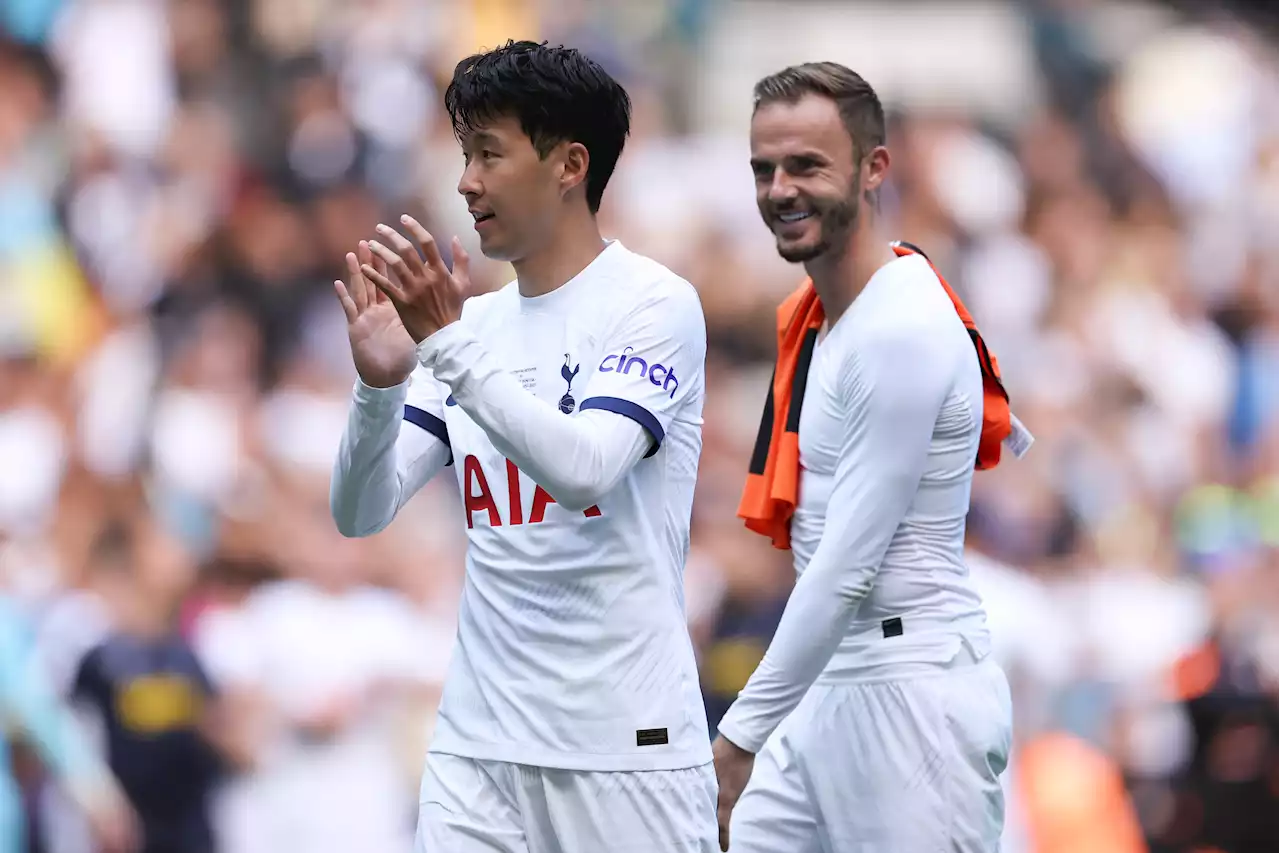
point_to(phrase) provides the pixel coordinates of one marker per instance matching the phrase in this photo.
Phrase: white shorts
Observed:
(908, 765)
(472, 806)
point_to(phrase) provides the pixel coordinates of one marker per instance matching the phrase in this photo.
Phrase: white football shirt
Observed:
(888, 435)
(572, 648)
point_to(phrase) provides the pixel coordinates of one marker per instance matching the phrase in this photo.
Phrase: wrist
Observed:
(382, 382)
(385, 377)
(430, 348)
(426, 330)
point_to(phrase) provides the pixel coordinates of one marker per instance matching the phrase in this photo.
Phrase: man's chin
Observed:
(799, 253)
(498, 251)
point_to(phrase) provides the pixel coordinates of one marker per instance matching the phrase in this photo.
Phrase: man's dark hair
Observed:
(556, 93)
(860, 108)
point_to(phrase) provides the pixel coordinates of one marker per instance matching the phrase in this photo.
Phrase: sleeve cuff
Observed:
(634, 411)
(735, 734)
(391, 398)
(441, 344)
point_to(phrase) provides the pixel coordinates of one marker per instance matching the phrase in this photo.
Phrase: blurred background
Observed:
(183, 630)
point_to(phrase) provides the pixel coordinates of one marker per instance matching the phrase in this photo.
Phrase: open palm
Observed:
(383, 352)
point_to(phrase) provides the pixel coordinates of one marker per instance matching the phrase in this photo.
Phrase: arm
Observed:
(666, 322)
(51, 726)
(532, 433)
(624, 415)
(389, 450)
(893, 389)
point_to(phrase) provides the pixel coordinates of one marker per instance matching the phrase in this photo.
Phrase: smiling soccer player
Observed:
(880, 721)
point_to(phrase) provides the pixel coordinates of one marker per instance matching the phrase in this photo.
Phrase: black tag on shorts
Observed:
(651, 737)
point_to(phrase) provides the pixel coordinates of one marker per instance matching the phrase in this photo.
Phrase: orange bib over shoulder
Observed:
(773, 479)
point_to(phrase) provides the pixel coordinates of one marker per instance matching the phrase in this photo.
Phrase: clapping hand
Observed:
(382, 350)
(425, 293)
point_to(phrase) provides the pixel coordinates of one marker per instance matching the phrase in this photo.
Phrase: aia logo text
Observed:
(478, 497)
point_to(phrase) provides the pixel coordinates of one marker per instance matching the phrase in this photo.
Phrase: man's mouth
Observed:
(480, 217)
(794, 216)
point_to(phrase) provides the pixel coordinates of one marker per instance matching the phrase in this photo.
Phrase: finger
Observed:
(365, 256)
(348, 305)
(383, 283)
(358, 292)
(461, 266)
(381, 266)
(430, 251)
(394, 262)
(376, 296)
(386, 253)
(406, 250)
(724, 814)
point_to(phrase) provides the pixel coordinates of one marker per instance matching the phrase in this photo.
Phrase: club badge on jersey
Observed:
(567, 402)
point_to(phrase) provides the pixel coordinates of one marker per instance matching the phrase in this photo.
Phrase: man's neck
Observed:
(839, 277)
(574, 247)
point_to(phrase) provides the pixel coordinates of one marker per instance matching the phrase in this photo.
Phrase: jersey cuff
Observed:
(730, 731)
(634, 411)
(432, 424)
(432, 347)
(380, 402)
(373, 392)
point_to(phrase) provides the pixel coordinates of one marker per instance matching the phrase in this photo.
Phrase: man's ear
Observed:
(877, 168)
(574, 162)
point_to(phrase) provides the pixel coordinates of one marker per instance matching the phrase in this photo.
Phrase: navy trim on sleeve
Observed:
(628, 409)
(431, 424)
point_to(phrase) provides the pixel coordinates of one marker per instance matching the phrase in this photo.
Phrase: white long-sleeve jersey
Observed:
(573, 421)
(889, 431)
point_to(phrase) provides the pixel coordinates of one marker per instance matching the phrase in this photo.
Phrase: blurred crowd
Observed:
(179, 181)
